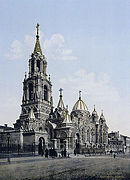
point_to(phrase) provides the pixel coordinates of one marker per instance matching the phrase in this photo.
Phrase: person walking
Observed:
(46, 153)
(65, 152)
(75, 152)
(62, 153)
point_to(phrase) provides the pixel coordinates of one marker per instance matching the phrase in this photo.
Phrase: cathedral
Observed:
(55, 127)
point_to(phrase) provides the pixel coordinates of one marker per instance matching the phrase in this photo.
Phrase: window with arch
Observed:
(83, 135)
(30, 91)
(88, 135)
(43, 68)
(32, 66)
(45, 93)
(38, 65)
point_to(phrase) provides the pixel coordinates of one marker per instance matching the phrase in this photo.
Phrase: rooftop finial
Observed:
(37, 47)
(61, 90)
(79, 94)
(37, 36)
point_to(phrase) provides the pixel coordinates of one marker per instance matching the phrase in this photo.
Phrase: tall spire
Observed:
(37, 45)
(61, 103)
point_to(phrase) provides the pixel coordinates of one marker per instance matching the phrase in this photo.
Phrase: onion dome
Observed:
(94, 113)
(80, 105)
(61, 103)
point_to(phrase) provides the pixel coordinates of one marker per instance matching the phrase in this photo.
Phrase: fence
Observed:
(16, 148)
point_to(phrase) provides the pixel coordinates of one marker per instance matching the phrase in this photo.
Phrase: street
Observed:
(40, 168)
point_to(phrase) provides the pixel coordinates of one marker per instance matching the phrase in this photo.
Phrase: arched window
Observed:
(30, 91)
(38, 65)
(43, 68)
(83, 136)
(88, 135)
(32, 66)
(51, 133)
(45, 93)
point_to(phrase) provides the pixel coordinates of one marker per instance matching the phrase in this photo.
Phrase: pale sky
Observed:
(87, 46)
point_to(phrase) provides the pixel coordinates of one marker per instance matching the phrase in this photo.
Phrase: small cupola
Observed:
(94, 113)
(102, 118)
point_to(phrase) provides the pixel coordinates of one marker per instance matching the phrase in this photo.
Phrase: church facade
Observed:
(40, 122)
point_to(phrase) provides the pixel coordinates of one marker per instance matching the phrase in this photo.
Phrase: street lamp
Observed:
(8, 137)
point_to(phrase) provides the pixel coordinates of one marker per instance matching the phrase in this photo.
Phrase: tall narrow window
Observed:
(38, 65)
(43, 68)
(45, 93)
(32, 66)
(88, 136)
(30, 91)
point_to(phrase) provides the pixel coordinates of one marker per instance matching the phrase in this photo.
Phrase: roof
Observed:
(61, 103)
(37, 47)
(80, 104)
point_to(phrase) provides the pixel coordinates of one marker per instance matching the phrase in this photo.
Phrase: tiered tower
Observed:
(37, 92)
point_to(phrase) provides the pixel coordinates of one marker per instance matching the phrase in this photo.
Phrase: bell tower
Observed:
(37, 91)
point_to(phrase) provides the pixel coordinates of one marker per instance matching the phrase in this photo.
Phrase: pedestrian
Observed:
(53, 152)
(75, 152)
(114, 155)
(64, 152)
(111, 152)
(50, 152)
(40, 148)
(46, 153)
(42, 152)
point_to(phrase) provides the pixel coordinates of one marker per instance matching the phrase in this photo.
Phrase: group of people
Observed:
(63, 153)
(47, 152)
(52, 152)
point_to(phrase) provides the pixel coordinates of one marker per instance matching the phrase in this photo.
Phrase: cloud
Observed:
(10, 109)
(54, 48)
(97, 89)
(16, 50)
(96, 86)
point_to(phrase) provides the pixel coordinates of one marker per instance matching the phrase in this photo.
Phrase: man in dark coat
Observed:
(46, 153)
(64, 152)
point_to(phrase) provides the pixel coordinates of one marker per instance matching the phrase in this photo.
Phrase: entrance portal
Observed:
(77, 143)
(62, 144)
(41, 146)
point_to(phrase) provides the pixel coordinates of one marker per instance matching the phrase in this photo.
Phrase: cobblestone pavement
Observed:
(74, 168)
